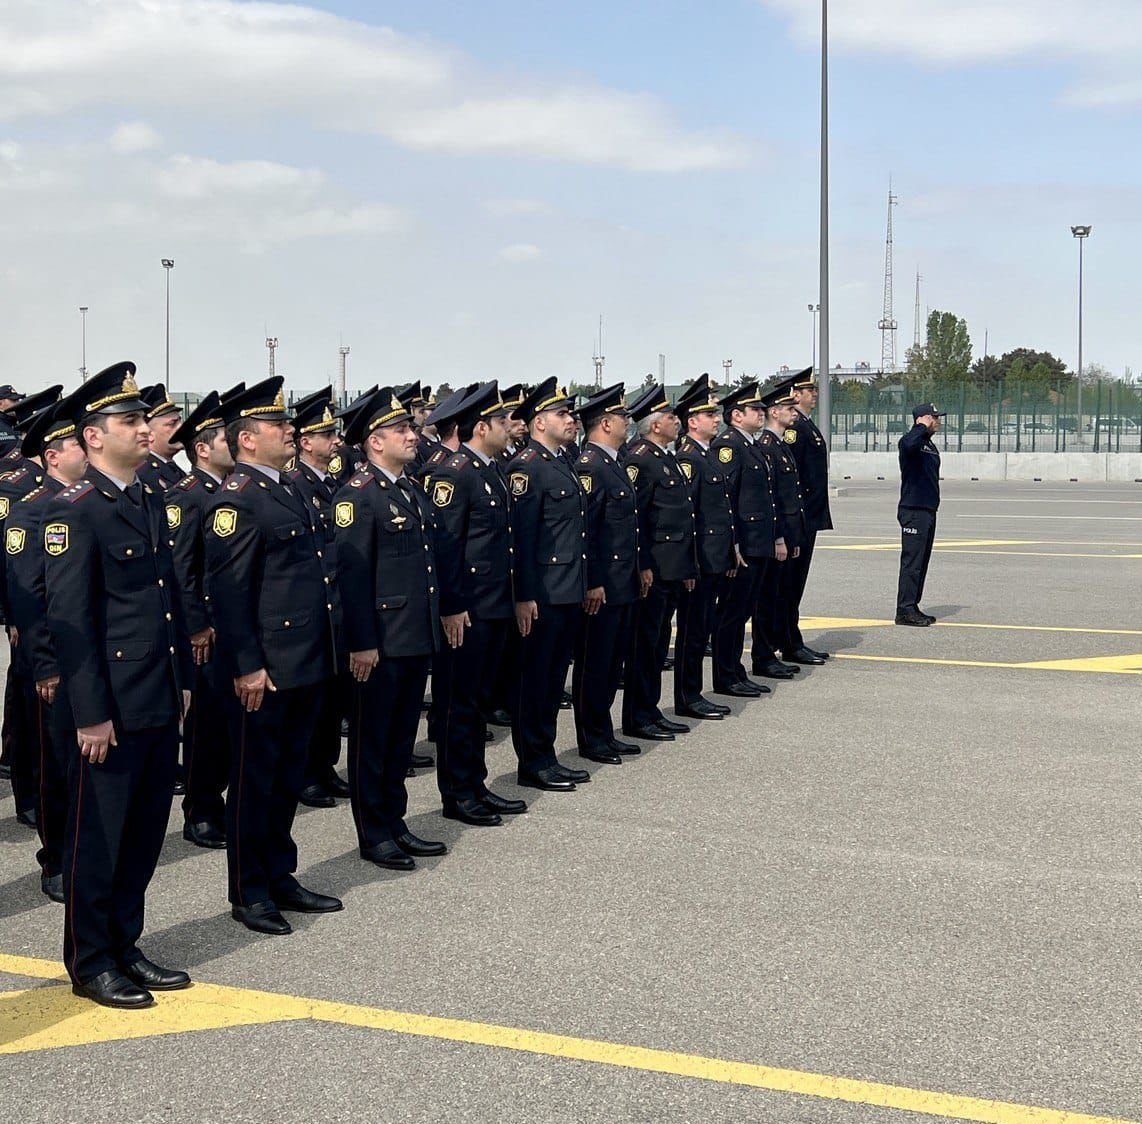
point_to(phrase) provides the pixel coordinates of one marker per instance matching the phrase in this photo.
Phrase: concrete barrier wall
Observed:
(1083, 467)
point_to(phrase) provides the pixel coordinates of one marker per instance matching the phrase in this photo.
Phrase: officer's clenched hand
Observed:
(94, 740)
(13, 635)
(689, 585)
(739, 563)
(782, 550)
(454, 628)
(251, 688)
(645, 581)
(200, 644)
(46, 689)
(525, 613)
(361, 664)
(596, 599)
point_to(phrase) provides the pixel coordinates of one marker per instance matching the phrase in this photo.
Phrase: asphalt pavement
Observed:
(916, 868)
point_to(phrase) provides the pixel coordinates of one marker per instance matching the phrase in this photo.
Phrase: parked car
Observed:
(864, 427)
(976, 426)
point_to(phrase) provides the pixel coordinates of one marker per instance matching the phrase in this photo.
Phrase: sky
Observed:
(458, 191)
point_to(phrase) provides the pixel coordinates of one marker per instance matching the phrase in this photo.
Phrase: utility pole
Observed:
(726, 365)
(83, 342)
(272, 344)
(825, 398)
(1082, 233)
(916, 314)
(343, 351)
(662, 368)
(814, 309)
(887, 323)
(168, 265)
(598, 358)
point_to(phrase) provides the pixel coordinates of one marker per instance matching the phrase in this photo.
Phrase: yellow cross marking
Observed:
(1116, 665)
(875, 622)
(42, 1018)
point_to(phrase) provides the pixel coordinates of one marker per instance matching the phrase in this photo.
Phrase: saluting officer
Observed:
(388, 580)
(666, 548)
(50, 438)
(318, 442)
(812, 456)
(164, 417)
(9, 439)
(477, 609)
(916, 512)
(718, 557)
(273, 615)
(614, 581)
(769, 624)
(550, 529)
(126, 669)
(755, 523)
(205, 738)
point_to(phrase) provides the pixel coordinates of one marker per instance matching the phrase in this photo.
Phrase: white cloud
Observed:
(504, 208)
(1104, 37)
(236, 60)
(134, 136)
(519, 252)
(189, 177)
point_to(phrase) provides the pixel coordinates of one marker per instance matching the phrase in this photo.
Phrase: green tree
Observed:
(946, 354)
(1030, 358)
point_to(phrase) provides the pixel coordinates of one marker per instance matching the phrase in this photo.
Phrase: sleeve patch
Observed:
(174, 516)
(725, 454)
(4, 505)
(343, 514)
(442, 492)
(225, 522)
(586, 483)
(519, 482)
(56, 539)
(632, 472)
(791, 437)
(687, 469)
(14, 540)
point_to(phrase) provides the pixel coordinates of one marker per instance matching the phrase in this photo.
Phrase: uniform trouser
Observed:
(56, 746)
(695, 615)
(544, 656)
(206, 747)
(788, 637)
(463, 678)
(501, 694)
(734, 605)
(267, 772)
(19, 737)
(648, 645)
(117, 818)
(382, 732)
(770, 613)
(917, 534)
(595, 676)
(325, 747)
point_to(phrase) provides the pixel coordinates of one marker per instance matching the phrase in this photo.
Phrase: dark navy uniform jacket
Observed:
(786, 487)
(812, 457)
(709, 490)
(549, 522)
(113, 609)
(27, 595)
(473, 537)
(9, 438)
(269, 586)
(20, 477)
(159, 474)
(666, 516)
(186, 506)
(750, 482)
(612, 526)
(435, 459)
(919, 470)
(387, 566)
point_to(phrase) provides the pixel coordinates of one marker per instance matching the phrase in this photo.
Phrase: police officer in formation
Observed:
(491, 554)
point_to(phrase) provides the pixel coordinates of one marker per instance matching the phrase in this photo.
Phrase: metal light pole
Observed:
(168, 265)
(814, 309)
(726, 365)
(1082, 233)
(825, 397)
(83, 342)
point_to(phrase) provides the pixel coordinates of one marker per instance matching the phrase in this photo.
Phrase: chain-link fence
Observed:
(1002, 417)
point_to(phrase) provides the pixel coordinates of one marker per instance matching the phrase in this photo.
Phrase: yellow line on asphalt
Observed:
(176, 1009)
(1105, 665)
(875, 622)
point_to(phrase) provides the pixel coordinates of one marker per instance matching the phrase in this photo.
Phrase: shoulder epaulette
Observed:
(457, 460)
(77, 491)
(16, 475)
(360, 479)
(188, 482)
(237, 482)
(638, 448)
(35, 494)
(526, 455)
(294, 474)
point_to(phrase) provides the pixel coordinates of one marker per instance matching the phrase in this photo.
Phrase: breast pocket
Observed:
(127, 557)
(399, 535)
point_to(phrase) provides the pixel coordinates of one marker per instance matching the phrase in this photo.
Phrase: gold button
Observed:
(553, 558)
(160, 583)
(287, 624)
(118, 655)
(326, 581)
(319, 554)
(129, 552)
(172, 650)
(329, 607)
(168, 616)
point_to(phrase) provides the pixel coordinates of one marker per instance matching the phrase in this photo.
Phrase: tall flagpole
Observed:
(824, 402)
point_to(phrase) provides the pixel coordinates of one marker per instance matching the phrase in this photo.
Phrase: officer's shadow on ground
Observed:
(842, 640)
(24, 894)
(942, 611)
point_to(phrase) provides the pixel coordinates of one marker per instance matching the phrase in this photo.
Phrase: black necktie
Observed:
(135, 493)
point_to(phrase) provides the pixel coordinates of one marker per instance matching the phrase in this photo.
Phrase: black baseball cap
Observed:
(927, 408)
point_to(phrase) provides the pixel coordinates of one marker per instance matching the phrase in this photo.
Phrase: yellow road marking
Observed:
(873, 622)
(177, 1011)
(1115, 665)
(964, 546)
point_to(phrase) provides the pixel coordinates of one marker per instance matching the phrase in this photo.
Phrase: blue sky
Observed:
(458, 190)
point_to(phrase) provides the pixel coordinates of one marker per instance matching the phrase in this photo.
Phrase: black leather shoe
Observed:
(503, 805)
(300, 900)
(719, 707)
(262, 917)
(738, 691)
(565, 701)
(931, 619)
(179, 788)
(335, 786)
(315, 796)
(5, 771)
(828, 655)
(805, 657)
(414, 845)
(700, 710)
(421, 761)
(672, 727)
(549, 779)
(113, 989)
(579, 776)
(344, 731)
(474, 812)
(52, 886)
(648, 733)
(774, 669)
(28, 818)
(760, 688)
(915, 620)
(204, 834)
(151, 977)
(388, 854)
(602, 755)
(668, 664)
(627, 749)
(499, 717)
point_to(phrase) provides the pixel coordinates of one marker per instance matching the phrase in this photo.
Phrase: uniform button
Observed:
(473, 569)
(584, 558)
(129, 552)
(432, 589)
(553, 558)
(319, 554)
(294, 531)
(616, 557)
(118, 655)
(329, 607)
(286, 623)
(168, 616)
(326, 581)
(172, 650)
(160, 583)
(582, 534)
(430, 569)
(493, 503)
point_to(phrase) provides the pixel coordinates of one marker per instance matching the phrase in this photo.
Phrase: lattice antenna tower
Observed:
(342, 369)
(916, 314)
(272, 344)
(598, 358)
(887, 323)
